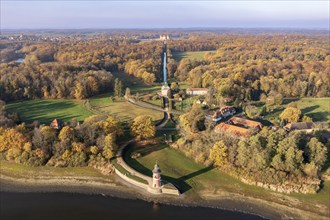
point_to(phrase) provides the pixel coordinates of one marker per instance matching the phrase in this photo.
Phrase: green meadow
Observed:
(45, 110)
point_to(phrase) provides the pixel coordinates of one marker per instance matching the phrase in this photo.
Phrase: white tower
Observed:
(156, 180)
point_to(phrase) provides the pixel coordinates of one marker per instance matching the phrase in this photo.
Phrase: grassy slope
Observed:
(123, 110)
(46, 110)
(194, 55)
(316, 108)
(190, 177)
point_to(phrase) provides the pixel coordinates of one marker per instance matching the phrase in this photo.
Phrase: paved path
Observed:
(121, 162)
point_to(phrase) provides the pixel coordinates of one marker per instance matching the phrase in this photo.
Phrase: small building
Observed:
(197, 91)
(227, 111)
(235, 130)
(301, 126)
(242, 122)
(56, 124)
(239, 127)
(223, 112)
(164, 90)
(164, 37)
(156, 179)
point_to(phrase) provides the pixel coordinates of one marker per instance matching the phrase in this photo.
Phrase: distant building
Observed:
(156, 180)
(223, 112)
(165, 89)
(239, 127)
(164, 37)
(302, 126)
(56, 124)
(197, 91)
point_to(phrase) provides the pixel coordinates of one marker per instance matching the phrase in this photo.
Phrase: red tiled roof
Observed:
(232, 129)
(246, 122)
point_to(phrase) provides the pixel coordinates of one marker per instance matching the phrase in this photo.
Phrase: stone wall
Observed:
(131, 181)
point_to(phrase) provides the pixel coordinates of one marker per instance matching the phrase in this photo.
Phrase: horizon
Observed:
(138, 14)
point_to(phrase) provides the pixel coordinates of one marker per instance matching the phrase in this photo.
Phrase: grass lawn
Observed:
(194, 55)
(123, 110)
(45, 110)
(316, 108)
(192, 177)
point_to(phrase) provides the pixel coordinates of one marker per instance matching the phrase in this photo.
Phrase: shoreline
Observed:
(116, 187)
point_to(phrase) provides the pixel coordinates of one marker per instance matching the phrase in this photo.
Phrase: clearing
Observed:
(45, 110)
(316, 108)
(122, 110)
(193, 55)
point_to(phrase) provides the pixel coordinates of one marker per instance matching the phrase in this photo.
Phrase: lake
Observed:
(48, 206)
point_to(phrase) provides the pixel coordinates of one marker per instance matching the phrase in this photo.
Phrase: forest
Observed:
(76, 70)
(245, 69)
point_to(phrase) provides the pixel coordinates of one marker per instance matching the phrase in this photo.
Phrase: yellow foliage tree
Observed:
(111, 125)
(219, 154)
(143, 127)
(78, 146)
(66, 134)
(11, 138)
(290, 115)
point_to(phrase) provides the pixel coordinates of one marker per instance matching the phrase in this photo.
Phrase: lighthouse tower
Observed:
(156, 181)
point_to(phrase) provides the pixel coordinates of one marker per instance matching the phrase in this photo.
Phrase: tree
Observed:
(109, 146)
(316, 152)
(12, 139)
(219, 154)
(118, 88)
(143, 127)
(80, 91)
(252, 111)
(127, 93)
(290, 115)
(66, 134)
(111, 126)
(288, 156)
(174, 86)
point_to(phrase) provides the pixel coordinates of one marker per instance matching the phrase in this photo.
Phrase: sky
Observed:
(51, 14)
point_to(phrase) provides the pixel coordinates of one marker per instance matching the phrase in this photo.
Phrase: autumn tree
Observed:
(66, 134)
(111, 126)
(219, 154)
(109, 147)
(290, 115)
(143, 127)
(118, 88)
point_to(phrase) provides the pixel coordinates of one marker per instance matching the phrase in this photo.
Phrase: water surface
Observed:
(49, 206)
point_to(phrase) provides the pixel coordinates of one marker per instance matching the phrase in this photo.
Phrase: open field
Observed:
(316, 108)
(123, 110)
(194, 55)
(46, 110)
(192, 177)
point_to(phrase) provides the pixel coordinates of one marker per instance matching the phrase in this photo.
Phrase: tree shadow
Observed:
(309, 109)
(196, 173)
(287, 101)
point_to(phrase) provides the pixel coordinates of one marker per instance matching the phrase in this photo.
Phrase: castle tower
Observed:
(156, 181)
